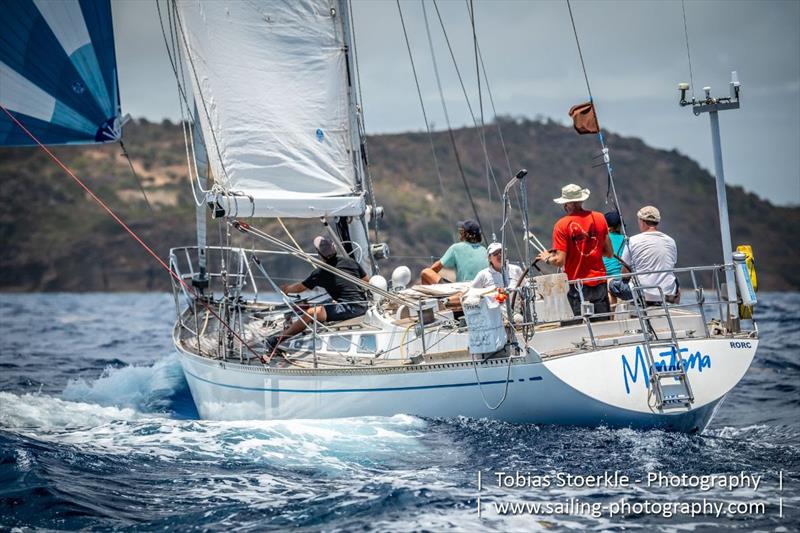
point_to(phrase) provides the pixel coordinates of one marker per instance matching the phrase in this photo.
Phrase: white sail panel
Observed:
(270, 82)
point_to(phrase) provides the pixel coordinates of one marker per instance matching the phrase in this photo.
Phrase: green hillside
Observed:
(57, 239)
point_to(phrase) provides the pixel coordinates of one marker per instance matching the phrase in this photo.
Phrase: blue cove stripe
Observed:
(379, 389)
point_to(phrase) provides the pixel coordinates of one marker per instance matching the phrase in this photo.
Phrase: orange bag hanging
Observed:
(584, 118)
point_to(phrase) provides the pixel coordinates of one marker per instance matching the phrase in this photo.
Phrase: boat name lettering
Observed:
(669, 362)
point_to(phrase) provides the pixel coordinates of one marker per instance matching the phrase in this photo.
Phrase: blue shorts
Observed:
(339, 312)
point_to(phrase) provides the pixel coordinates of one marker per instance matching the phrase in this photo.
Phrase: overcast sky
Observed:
(635, 54)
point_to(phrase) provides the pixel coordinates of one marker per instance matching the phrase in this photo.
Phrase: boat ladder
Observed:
(668, 380)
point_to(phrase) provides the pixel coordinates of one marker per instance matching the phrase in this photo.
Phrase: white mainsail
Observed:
(270, 82)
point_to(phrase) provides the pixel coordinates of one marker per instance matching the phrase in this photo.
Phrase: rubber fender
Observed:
(746, 311)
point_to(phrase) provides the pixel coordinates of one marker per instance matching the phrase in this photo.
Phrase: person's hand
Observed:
(544, 255)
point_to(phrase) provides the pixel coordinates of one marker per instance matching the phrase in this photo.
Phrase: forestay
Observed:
(58, 72)
(270, 82)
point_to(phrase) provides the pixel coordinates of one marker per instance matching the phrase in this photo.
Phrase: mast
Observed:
(357, 226)
(713, 106)
(202, 170)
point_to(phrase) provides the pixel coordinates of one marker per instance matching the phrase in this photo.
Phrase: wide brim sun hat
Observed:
(572, 193)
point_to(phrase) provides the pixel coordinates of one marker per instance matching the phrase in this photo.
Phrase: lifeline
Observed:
(704, 482)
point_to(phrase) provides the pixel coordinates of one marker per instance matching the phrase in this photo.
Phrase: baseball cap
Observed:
(649, 214)
(613, 219)
(494, 247)
(469, 225)
(324, 246)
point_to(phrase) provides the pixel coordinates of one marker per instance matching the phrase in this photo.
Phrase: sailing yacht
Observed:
(278, 112)
(274, 130)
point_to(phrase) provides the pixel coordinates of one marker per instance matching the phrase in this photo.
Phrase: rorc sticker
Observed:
(741, 344)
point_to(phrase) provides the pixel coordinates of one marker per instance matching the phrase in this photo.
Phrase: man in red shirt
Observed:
(580, 240)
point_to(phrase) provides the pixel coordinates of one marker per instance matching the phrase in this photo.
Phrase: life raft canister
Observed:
(746, 311)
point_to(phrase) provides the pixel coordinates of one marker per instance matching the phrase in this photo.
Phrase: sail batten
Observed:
(270, 80)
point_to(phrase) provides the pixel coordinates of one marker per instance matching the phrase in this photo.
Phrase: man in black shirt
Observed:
(349, 300)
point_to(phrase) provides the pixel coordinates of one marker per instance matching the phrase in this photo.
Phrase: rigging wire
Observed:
(200, 92)
(135, 175)
(505, 151)
(189, 124)
(482, 129)
(362, 132)
(580, 52)
(464, 92)
(427, 124)
(177, 69)
(441, 96)
(611, 192)
(481, 138)
(127, 228)
(288, 234)
(688, 53)
(494, 112)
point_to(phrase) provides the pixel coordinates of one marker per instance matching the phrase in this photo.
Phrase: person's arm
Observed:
(362, 274)
(448, 260)
(608, 249)
(626, 258)
(602, 229)
(311, 282)
(558, 255)
(479, 282)
(295, 288)
(437, 266)
(555, 258)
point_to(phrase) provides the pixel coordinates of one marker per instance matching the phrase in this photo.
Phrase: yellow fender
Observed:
(746, 311)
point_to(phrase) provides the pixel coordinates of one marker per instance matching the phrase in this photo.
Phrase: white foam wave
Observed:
(47, 414)
(144, 388)
(335, 446)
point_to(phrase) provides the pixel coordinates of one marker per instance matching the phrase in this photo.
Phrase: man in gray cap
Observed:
(349, 300)
(650, 250)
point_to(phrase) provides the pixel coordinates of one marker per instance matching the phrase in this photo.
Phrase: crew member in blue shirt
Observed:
(613, 266)
(467, 257)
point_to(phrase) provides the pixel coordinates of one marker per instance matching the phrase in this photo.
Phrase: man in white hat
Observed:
(492, 276)
(650, 250)
(580, 241)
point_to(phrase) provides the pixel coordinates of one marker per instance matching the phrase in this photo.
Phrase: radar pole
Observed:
(713, 106)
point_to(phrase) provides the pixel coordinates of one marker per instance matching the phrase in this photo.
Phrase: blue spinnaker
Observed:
(58, 72)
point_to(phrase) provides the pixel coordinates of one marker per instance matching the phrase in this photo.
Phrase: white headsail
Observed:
(270, 83)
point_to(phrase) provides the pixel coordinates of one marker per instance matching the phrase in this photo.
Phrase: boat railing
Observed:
(693, 296)
(236, 275)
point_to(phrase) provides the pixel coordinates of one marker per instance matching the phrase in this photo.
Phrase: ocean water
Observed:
(98, 431)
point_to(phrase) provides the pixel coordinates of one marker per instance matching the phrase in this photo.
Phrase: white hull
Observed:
(592, 388)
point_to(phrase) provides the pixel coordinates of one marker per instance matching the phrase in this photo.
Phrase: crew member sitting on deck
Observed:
(492, 276)
(650, 250)
(580, 241)
(468, 256)
(349, 300)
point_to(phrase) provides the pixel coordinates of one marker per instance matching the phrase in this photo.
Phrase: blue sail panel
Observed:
(12, 135)
(57, 65)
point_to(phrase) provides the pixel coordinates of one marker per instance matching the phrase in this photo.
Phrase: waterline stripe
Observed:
(379, 389)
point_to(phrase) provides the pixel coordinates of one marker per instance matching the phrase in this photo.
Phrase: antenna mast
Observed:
(713, 106)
